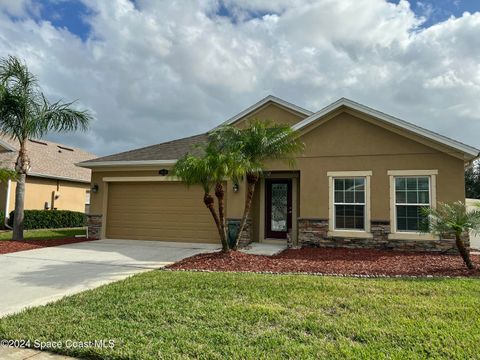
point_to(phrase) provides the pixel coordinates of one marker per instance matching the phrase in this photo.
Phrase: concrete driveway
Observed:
(36, 277)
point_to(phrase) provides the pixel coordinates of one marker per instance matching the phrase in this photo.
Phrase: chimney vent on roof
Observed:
(38, 142)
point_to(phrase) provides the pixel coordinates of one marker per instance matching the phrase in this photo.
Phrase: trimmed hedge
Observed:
(51, 219)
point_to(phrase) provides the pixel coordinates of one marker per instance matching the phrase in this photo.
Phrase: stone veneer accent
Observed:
(94, 224)
(314, 232)
(247, 233)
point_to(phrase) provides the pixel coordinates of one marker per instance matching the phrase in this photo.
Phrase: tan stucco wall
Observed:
(272, 112)
(40, 190)
(347, 143)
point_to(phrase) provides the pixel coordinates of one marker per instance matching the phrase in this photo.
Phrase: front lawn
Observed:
(46, 234)
(163, 314)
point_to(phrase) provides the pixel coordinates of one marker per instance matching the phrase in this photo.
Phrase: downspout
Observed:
(7, 205)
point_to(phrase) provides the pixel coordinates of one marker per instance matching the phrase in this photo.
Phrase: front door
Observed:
(278, 208)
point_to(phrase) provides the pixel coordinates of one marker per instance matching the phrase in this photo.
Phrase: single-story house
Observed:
(361, 182)
(54, 182)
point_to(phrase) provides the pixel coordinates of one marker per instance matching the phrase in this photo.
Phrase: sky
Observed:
(152, 70)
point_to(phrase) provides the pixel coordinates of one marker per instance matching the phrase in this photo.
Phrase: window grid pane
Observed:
(412, 194)
(412, 190)
(349, 203)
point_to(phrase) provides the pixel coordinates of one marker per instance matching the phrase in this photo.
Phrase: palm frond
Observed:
(7, 174)
(61, 117)
(15, 74)
(258, 142)
(454, 218)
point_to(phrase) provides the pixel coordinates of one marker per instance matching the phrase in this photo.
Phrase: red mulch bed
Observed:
(358, 262)
(9, 246)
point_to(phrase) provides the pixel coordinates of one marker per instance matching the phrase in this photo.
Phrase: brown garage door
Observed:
(167, 211)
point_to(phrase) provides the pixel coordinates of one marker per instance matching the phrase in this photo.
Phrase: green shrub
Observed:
(51, 219)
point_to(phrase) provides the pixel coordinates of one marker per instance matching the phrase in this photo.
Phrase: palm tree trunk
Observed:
(220, 194)
(21, 167)
(209, 203)
(252, 180)
(463, 251)
(19, 207)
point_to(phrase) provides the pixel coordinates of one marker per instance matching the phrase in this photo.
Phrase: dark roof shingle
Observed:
(170, 150)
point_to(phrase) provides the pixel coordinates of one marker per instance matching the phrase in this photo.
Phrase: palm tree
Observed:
(208, 170)
(453, 219)
(253, 146)
(26, 113)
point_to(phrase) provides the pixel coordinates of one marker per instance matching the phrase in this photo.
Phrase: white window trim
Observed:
(405, 235)
(331, 207)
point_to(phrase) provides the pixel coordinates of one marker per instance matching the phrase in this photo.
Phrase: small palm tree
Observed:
(253, 146)
(208, 170)
(26, 113)
(454, 219)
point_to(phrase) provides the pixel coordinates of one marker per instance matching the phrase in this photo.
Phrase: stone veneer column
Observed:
(247, 233)
(312, 231)
(94, 224)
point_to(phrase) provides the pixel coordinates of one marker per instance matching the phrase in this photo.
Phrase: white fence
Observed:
(474, 238)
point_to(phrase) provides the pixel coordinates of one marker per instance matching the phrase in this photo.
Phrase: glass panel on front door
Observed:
(279, 211)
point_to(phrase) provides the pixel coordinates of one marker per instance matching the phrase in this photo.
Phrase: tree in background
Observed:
(7, 174)
(25, 113)
(472, 182)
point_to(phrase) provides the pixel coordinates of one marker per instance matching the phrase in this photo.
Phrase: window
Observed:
(87, 197)
(349, 203)
(412, 194)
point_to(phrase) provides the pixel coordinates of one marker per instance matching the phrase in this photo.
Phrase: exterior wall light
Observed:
(94, 188)
(236, 187)
(163, 172)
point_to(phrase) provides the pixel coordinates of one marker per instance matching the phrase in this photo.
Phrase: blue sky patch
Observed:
(247, 14)
(436, 11)
(69, 14)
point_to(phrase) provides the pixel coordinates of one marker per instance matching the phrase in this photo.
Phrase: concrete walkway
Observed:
(36, 277)
(10, 353)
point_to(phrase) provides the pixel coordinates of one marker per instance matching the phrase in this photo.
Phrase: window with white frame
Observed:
(349, 203)
(412, 194)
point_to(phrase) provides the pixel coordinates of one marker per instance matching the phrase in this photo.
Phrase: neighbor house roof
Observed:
(169, 152)
(47, 159)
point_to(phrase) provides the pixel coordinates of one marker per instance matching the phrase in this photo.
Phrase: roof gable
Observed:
(468, 152)
(265, 101)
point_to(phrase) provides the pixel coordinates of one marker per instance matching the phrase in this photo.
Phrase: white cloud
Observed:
(162, 70)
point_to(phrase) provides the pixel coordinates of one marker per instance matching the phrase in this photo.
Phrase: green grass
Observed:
(45, 234)
(163, 314)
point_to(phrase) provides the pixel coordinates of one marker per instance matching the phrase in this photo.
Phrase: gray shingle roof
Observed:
(170, 150)
(48, 159)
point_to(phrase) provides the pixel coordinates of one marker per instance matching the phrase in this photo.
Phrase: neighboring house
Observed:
(54, 182)
(361, 182)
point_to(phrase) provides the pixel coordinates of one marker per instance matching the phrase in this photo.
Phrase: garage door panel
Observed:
(158, 215)
(159, 211)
